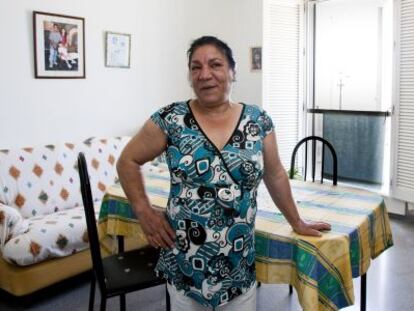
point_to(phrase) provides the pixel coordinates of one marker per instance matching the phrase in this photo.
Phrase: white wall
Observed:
(113, 101)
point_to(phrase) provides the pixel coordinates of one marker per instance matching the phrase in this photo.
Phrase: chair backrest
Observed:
(324, 142)
(91, 221)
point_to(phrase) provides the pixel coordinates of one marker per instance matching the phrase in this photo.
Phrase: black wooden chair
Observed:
(314, 140)
(117, 274)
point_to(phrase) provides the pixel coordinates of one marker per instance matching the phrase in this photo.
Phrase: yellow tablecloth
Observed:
(320, 269)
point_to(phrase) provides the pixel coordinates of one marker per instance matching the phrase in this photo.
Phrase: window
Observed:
(351, 79)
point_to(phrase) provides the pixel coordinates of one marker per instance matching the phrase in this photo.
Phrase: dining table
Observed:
(321, 269)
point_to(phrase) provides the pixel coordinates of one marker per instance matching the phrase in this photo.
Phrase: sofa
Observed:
(43, 235)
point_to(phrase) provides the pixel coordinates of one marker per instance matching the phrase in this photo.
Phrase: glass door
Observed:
(350, 46)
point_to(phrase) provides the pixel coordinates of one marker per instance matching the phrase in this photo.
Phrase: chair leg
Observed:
(92, 292)
(167, 298)
(290, 290)
(103, 303)
(122, 301)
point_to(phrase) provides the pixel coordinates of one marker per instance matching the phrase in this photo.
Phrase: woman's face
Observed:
(210, 74)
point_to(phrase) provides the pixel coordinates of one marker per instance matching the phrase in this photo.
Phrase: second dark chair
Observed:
(118, 274)
(305, 141)
(314, 140)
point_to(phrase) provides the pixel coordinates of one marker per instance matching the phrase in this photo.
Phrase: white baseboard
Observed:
(395, 206)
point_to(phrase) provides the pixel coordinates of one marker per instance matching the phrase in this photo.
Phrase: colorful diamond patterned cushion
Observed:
(42, 184)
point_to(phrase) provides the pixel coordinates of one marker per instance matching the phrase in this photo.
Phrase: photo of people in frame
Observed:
(256, 58)
(60, 46)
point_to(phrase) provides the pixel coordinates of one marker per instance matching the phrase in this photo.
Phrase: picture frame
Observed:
(59, 46)
(256, 58)
(117, 50)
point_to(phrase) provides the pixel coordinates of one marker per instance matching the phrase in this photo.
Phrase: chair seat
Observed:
(130, 271)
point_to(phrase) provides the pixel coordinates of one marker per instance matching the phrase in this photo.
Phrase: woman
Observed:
(64, 37)
(63, 54)
(217, 153)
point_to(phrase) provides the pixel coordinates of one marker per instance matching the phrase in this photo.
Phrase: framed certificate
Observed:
(118, 50)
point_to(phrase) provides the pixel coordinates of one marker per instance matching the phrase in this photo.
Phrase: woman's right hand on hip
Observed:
(156, 228)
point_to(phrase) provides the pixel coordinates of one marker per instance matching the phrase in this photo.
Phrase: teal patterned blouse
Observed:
(212, 204)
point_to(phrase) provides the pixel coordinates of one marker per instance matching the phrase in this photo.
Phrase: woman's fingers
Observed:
(320, 225)
(168, 229)
(166, 239)
(315, 232)
(157, 241)
(310, 231)
(160, 241)
(152, 242)
(165, 232)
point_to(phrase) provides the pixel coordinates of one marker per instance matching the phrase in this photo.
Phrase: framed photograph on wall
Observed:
(256, 58)
(59, 46)
(118, 50)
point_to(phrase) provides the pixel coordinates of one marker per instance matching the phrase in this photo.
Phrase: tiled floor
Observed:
(390, 286)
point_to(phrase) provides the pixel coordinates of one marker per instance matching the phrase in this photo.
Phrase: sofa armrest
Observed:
(11, 224)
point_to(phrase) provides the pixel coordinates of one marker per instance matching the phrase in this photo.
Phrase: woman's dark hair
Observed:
(210, 40)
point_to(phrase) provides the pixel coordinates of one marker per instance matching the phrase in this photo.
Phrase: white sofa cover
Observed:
(41, 212)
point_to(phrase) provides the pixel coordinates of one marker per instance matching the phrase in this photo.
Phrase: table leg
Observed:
(363, 292)
(121, 247)
(168, 301)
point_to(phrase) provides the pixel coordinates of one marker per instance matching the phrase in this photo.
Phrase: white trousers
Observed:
(245, 302)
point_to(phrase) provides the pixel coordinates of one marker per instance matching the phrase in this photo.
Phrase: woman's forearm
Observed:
(143, 147)
(132, 182)
(279, 189)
